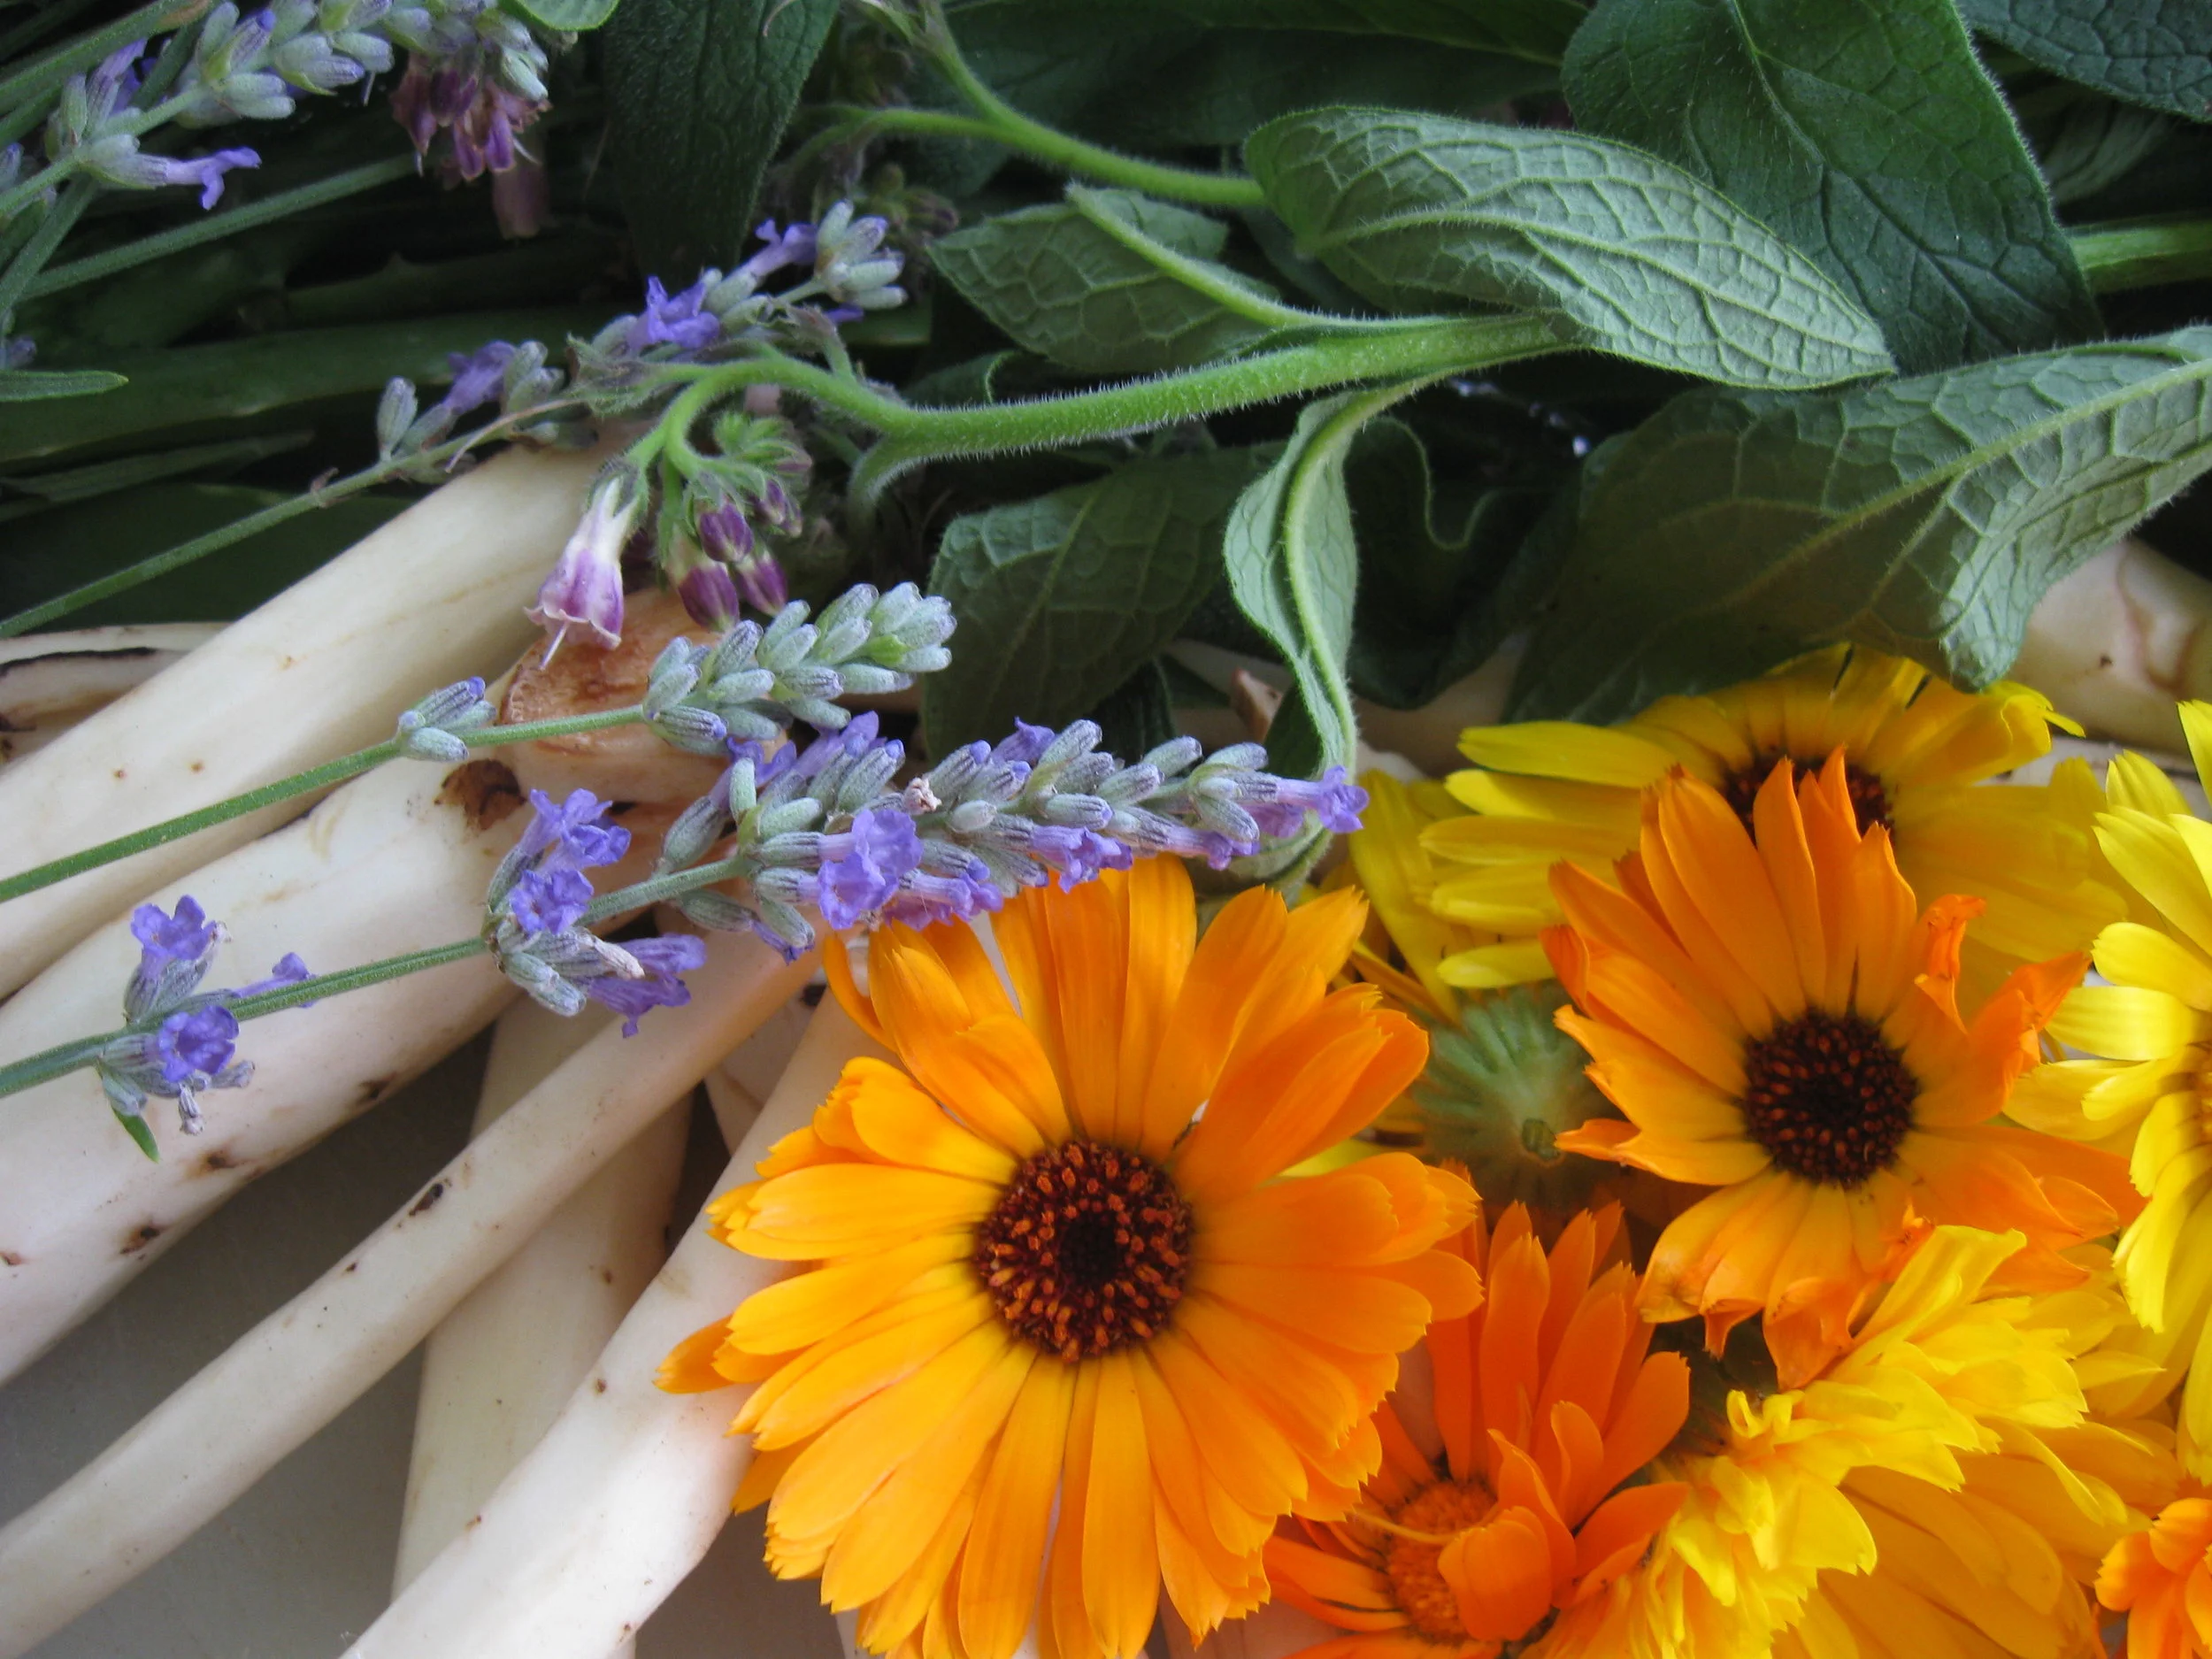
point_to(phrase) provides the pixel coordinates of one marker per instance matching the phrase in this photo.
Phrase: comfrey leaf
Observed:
(2146, 51)
(1869, 137)
(1110, 282)
(1733, 531)
(1632, 255)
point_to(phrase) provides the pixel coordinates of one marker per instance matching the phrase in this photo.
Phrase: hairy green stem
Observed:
(218, 226)
(2136, 254)
(299, 783)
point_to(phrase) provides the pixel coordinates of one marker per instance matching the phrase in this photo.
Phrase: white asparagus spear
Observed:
(389, 864)
(2117, 643)
(49, 682)
(188, 1458)
(322, 669)
(498, 1369)
(624, 1495)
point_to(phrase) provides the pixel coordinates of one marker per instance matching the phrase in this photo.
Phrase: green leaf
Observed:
(1293, 568)
(24, 386)
(1138, 716)
(1634, 255)
(190, 389)
(1074, 591)
(1209, 87)
(1110, 282)
(134, 1125)
(52, 552)
(1431, 553)
(2094, 144)
(1733, 531)
(2157, 52)
(571, 17)
(1537, 29)
(105, 478)
(1869, 137)
(699, 92)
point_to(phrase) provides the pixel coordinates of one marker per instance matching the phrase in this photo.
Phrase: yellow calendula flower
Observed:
(2146, 1090)
(1503, 1083)
(1066, 1334)
(1775, 1014)
(1913, 747)
(2000, 1560)
(1941, 1487)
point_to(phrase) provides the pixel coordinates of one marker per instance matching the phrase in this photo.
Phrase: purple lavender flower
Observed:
(289, 970)
(187, 936)
(1025, 747)
(791, 246)
(478, 376)
(547, 901)
(119, 161)
(863, 866)
(924, 900)
(18, 352)
(585, 587)
(1078, 855)
(663, 959)
(200, 1040)
(574, 835)
(1281, 809)
(674, 319)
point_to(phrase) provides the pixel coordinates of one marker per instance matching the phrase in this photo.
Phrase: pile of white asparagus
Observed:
(556, 1497)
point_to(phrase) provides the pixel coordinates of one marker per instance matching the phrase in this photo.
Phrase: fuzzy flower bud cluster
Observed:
(181, 1042)
(439, 727)
(823, 830)
(754, 681)
(516, 380)
(251, 66)
(95, 126)
(537, 905)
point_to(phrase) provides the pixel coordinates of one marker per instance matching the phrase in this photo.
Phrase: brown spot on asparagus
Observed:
(145, 1234)
(485, 790)
(431, 1195)
(11, 1258)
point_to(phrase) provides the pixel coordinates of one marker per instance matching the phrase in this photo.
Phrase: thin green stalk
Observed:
(299, 783)
(2144, 253)
(58, 221)
(65, 1058)
(252, 525)
(43, 22)
(338, 984)
(48, 1064)
(218, 226)
(40, 76)
(1001, 122)
(654, 890)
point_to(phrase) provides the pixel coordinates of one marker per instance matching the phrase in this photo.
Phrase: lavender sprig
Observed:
(178, 1041)
(823, 831)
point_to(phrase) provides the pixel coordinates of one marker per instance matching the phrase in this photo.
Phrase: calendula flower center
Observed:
(1828, 1097)
(1869, 800)
(1087, 1251)
(1434, 1513)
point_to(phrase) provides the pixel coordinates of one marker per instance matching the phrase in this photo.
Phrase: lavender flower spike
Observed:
(585, 589)
(663, 959)
(674, 319)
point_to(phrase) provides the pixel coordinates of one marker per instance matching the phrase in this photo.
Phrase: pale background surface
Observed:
(303, 1563)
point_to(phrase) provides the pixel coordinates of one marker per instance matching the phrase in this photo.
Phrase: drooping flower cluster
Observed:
(181, 1042)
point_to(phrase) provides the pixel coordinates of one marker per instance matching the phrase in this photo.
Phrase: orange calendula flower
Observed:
(1914, 748)
(1056, 1272)
(2162, 1579)
(1510, 1505)
(1776, 1018)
